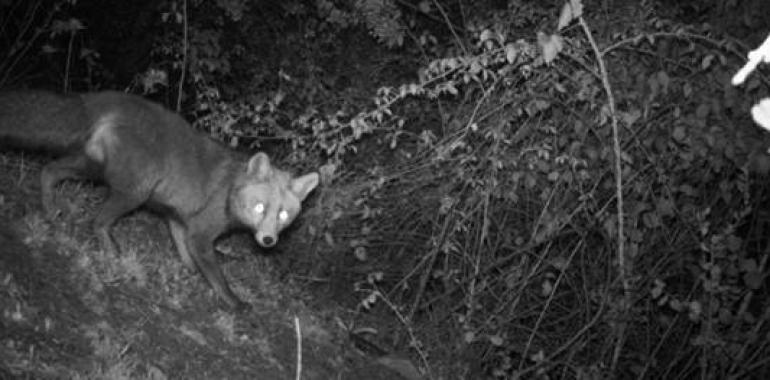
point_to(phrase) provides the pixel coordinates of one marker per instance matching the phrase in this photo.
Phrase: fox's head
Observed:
(268, 199)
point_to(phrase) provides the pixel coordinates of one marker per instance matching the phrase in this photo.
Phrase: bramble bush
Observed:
(509, 229)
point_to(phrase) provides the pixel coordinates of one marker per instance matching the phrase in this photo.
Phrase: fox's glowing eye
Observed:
(259, 208)
(283, 216)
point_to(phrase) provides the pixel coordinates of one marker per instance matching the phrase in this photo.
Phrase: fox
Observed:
(148, 156)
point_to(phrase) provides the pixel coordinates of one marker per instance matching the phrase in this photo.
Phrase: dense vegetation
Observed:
(511, 189)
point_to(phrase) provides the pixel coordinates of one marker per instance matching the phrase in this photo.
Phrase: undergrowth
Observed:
(494, 239)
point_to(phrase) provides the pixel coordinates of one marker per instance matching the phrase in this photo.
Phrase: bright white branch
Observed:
(756, 56)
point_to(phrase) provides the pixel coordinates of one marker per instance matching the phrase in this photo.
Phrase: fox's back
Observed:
(141, 141)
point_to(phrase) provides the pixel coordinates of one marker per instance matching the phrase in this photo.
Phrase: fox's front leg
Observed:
(118, 203)
(201, 250)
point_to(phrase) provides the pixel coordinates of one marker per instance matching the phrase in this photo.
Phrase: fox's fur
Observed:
(150, 156)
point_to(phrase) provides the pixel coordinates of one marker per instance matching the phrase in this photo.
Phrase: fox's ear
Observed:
(302, 186)
(259, 165)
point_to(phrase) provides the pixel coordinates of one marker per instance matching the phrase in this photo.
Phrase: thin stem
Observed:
(68, 63)
(622, 265)
(184, 56)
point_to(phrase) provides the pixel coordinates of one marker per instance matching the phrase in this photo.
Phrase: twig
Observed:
(7, 18)
(18, 55)
(66, 85)
(691, 36)
(184, 57)
(622, 266)
(548, 303)
(451, 27)
(409, 331)
(299, 348)
(551, 358)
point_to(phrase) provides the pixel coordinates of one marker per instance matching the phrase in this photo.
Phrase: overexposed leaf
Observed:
(577, 8)
(761, 113)
(565, 17)
(485, 35)
(511, 52)
(550, 45)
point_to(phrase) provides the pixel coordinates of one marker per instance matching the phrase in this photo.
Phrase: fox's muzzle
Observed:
(266, 241)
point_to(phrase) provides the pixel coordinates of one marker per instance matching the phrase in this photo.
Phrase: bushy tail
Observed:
(43, 121)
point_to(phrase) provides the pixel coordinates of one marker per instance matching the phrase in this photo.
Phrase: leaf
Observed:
(679, 133)
(734, 244)
(657, 290)
(511, 52)
(496, 340)
(475, 67)
(629, 118)
(485, 35)
(687, 190)
(665, 207)
(577, 8)
(565, 17)
(329, 239)
(570, 11)
(360, 253)
(702, 111)
(725, 316)
(550, 45)
(695, 310)
(547, 288)
(753, 279)
(450, 87)
(553, 176)
(687, 89)
(651, 220)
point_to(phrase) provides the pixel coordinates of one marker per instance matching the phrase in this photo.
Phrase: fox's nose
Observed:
(267, 241)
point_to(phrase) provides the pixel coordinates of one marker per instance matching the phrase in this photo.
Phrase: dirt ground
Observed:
(68, 311)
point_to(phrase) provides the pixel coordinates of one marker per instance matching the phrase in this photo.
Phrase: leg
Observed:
(201, 247)
(117, 204)
(73, 167)
(178, 235)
